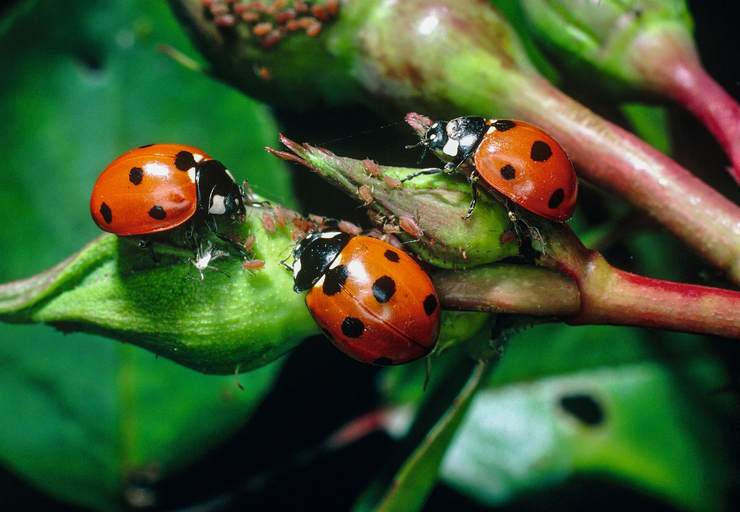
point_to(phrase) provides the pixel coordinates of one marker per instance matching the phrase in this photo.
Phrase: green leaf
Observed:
(417, 477)
(83, 82)
(617, 402)
(598, 39)
(80, 416)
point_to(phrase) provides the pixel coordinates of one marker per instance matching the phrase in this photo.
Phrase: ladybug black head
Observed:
(436, 136)
(218, 193)
(455, 140)
(313, 256)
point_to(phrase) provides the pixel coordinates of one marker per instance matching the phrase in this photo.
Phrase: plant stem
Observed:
(669, 64)
(502, 288)
(613, 296)
(618, 160)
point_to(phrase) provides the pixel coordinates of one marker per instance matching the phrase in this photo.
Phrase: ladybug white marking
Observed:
(218, 206)
(296, 268)
(468, 140)
(451, 147)
(197, 157)
(191, 174)
(228, 173)
(330, 234)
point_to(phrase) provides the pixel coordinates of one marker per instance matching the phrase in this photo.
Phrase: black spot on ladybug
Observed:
(430, 304)
(135, 175)
(584, 408)
(146, 146)
(504, 124)
(383, 361)
(556, 198)
(106, 213)
(334, 279)
(540, 151)
(383, 288)
(184, 160)
(391, 256)
(352, 327)
(157, 212)
(508, 172)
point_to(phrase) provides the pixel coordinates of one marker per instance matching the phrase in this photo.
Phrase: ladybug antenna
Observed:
(289, 268)
(421, 142)
(423, 153)
(424, 148)
(364, 132)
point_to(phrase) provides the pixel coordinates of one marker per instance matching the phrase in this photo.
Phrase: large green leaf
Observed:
(82, 81)
(616, 402)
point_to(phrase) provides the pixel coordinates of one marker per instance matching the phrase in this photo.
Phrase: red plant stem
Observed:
(613, 296)
(669, 63)
(616, 159)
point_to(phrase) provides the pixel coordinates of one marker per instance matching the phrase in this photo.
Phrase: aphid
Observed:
(268, 222)
(372, 168)
(365, 195)
(262, 29)
(410, 226)
(391, 182)
(349, 227)
(253, 264)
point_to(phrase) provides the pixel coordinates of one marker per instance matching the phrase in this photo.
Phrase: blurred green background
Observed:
(572, 416)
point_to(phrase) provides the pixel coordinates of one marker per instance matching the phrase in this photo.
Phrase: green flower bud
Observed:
(428, 212)
(230, 319)
(275, 54)
(608, 35)
(430, 55)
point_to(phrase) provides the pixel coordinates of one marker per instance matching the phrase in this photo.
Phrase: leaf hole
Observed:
(90, 61)
(584, 407)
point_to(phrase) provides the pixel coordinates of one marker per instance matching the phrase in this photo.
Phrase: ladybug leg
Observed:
(212, 226)
(423, 172)
(289, 268)
(248, 196)
(473, 179)
(147, 245)
(232, 244)
(191, 234)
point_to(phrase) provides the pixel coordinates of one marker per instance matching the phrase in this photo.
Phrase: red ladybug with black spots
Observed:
(373, 301)
(159, 187)
(513, 159)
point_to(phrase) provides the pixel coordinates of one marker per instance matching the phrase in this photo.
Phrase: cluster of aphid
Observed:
(373, 301)
(271, 22)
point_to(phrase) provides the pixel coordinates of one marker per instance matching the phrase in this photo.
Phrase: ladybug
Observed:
(159, 187)
(513, 159)
(372, 300)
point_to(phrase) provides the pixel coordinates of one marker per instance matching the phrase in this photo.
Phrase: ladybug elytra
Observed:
(372, 300)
